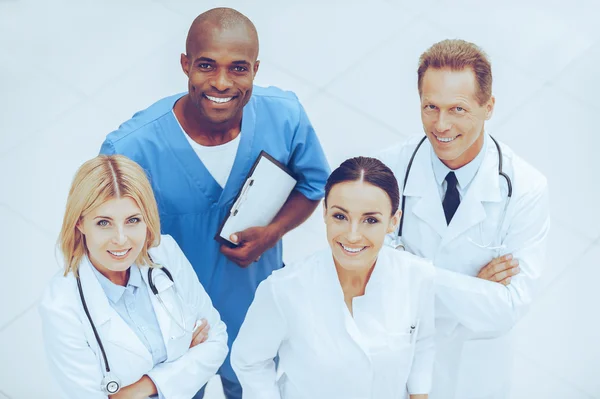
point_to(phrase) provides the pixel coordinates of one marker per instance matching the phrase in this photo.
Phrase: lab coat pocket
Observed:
(392, 362)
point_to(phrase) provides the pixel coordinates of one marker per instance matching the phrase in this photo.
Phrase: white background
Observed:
(72, 71)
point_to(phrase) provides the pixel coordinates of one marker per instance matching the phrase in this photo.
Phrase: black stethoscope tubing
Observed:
(412, 158)
(89, 317)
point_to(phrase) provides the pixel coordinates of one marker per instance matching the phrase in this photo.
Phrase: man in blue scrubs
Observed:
(198, 148)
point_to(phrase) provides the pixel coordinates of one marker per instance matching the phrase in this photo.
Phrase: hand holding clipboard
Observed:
(265, 191)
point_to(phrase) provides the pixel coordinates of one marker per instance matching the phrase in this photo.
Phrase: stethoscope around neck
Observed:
(110, 383)
(398, 235)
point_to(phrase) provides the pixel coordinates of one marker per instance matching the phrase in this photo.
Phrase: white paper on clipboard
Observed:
(263, 194)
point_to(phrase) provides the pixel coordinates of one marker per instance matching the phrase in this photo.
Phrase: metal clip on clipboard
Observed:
(236, 206)
(265, 190)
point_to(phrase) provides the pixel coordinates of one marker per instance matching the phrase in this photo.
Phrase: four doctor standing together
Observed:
(469, 205)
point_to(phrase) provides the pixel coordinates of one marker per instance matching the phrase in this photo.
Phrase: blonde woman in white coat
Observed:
(354, 321)
(120, 320)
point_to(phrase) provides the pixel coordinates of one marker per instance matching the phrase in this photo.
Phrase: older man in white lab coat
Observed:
(488, 248)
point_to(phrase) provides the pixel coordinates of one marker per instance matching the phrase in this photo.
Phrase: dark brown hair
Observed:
(369, 170)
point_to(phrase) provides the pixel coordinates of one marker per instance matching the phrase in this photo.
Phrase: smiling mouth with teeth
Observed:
(218, 100)
(445, 139)
(352, 250)
(121, 253)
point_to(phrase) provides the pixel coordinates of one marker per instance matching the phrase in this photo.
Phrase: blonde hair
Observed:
(458, 55)
(97, 181)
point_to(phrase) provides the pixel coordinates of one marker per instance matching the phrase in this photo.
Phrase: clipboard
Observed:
(265, 190)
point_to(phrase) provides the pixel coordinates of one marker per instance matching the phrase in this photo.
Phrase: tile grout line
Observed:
(549, 82)
(28, 221)
(18, 316)
(375, 48)
(35, 134)
(370, 117)
(576, 59)
(558, 376)
(573, 265)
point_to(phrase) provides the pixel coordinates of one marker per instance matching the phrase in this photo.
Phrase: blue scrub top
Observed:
(192, 204)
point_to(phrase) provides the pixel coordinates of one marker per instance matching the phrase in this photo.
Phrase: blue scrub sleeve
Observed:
(308, 162)
(107, 148)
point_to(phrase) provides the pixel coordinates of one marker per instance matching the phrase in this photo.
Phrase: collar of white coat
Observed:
(161, 281)
(332, 287)
(485, 184)
(465, 174)
(422, 183)
(95, 298)
(109, 324)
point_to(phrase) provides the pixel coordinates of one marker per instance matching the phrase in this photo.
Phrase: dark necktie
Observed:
(451, 199)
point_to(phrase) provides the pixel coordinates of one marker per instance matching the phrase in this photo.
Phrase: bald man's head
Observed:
(221, 19)
(220, 63)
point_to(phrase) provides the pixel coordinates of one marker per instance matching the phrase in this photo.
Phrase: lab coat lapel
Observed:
(163, 285)
(484, 188)
(334, 289)
(243, 158)
(111, 327)
(422, 185)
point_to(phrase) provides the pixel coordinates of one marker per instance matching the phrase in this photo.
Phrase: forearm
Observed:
(294, 212)
(187, 374)
(419, 396)
(257, 344)
(483, 306)
(141, 389)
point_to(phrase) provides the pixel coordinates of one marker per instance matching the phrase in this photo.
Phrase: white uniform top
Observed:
(73, 352)
(299, 312)
(474, 316)
(218, 159)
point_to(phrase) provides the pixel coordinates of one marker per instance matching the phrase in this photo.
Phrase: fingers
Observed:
(197, 330)
(204, 329)
(200, 335)
(506, 281)
(506, 275)
(500, 270)
(496, 265)
(243, 236)
(241, 255)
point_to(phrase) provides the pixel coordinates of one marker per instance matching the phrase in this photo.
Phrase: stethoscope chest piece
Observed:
(398, 246)
(110, 384)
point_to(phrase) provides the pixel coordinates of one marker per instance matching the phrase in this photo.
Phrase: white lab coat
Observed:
(73, 352)
(474, 316)
(326, 353)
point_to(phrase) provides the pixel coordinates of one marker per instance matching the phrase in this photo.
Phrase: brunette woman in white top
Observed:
(354, 321)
